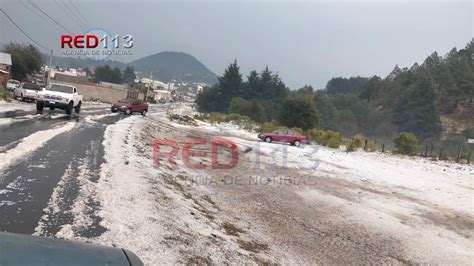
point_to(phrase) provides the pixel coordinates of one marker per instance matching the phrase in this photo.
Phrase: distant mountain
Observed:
(167, 66)
(73, 62)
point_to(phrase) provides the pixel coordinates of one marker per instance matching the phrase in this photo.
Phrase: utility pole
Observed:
(148, 86)
(49, 66)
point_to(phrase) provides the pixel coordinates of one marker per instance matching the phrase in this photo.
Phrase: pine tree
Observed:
(128, 75)
(416, 111)
(230, 85)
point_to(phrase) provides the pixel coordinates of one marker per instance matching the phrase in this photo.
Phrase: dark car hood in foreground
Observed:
(17, 249)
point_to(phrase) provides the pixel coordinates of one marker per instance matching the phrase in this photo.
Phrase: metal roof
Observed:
(5, 59)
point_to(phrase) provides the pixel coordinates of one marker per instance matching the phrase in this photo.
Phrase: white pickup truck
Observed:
(60, 96)
(27, 91)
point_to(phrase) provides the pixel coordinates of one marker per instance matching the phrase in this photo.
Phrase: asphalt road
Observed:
(26, 186)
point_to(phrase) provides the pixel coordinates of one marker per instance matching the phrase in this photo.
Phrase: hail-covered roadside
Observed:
(279, 203)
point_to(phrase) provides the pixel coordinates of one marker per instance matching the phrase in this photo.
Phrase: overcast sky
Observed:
(305, 42)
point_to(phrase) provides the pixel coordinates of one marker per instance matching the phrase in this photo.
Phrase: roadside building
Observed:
(157, 85)
(58, 76)
(133, 92)
(5, 67)
(161, 94)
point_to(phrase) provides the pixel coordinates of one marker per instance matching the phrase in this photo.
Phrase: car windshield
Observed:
(60, 88)
(12, 81)
(31, 86)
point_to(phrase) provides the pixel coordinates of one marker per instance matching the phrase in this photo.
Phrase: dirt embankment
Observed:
(460, 119)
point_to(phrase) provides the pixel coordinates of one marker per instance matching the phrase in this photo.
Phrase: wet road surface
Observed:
(52, 171)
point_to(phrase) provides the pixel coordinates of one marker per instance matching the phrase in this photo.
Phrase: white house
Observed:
(5, 67)
(156, 84)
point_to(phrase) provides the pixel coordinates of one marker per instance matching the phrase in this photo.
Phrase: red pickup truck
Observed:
(283, 135)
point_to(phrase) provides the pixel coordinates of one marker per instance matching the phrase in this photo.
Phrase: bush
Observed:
(216, 118)
(328, 138)
(371, 146)
(406, 143)
(357, 142)
(236, 118)
(334, 143)
(3, 93)
(332, 139)
(269, 127)
(241, 120)
(316, 135)
(350, 147)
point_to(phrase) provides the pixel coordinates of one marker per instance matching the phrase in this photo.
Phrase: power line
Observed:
(80, 15)
(27, 7)
(22, 31)
(72, 15)
(52, 19)
(32, 10)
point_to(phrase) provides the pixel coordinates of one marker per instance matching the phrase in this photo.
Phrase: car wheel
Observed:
(297, 143)
(268, 139)
(51, 108)
(144, 112)
(114, 110)
(39, 107)
(77, 109)
(128, 112)
(69, 108)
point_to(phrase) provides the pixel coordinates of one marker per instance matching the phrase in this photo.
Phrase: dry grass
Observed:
(260, 261)
(231, 229)
(251, 246)
(198, 260)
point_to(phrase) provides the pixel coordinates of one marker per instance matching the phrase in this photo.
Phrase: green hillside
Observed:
(167, 66)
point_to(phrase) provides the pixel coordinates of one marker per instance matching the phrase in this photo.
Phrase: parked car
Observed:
(283, 135)
(162, 100)
(27, 91)
(59, 96)
(12, 84)
(129, 106)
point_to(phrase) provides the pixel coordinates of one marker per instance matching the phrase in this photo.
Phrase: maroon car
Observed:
(129, 106)
(283, 135)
